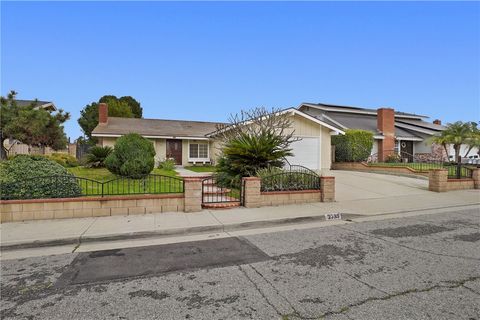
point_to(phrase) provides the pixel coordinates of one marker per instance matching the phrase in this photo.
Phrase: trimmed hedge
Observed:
(353, 146)
(133, 156)
(33, 177)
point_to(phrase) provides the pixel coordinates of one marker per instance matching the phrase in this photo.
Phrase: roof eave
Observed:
(117, 135)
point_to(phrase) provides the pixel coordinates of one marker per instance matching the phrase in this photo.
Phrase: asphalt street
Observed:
(421, 267)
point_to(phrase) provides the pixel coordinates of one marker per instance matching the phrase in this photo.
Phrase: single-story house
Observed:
(194, 142)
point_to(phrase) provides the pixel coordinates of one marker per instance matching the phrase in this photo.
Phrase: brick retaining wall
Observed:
(359, 166)
(277, 198)
(254, 198)
(38, 209)
(438, 181)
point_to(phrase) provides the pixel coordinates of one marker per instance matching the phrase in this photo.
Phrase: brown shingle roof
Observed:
(155, 127)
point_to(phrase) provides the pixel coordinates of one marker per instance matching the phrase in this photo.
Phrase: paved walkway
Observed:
(182, 172)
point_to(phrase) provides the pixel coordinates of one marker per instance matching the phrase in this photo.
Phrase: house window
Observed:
(198, 151)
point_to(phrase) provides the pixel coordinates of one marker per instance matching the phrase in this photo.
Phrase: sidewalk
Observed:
(32, 234)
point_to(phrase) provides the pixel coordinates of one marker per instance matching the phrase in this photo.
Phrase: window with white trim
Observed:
(198, 151)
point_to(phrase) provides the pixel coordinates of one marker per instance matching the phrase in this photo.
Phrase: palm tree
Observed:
(456, 134)
(474, 140)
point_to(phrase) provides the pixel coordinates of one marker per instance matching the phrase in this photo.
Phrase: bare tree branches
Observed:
(259, 121)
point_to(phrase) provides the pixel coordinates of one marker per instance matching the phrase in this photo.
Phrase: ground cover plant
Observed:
(64, 159)
(167, 164)
(28, 177)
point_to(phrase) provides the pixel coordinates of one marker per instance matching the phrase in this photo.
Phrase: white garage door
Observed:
(306, 153)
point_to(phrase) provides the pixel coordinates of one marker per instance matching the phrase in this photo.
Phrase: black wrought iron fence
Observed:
(405, 159)
(66, 186)
(297, 168)
(213, 192)
(290, 180)
(459, 172)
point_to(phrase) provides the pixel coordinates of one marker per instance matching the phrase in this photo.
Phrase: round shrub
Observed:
(34, 177)
(133, 156)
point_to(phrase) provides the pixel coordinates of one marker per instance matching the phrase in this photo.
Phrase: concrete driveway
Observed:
(352, 185)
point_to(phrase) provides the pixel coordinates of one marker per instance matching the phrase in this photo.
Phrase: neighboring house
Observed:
(192, 142)
(403, 132)
(13, 146)
(47, 105)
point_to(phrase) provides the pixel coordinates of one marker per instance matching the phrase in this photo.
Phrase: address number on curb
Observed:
(333, 216)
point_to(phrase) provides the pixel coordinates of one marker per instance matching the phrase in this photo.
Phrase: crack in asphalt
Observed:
(259, 291)
(404, 246)
(344, 309)
(275, 288)
(358, 280)
(471, 290)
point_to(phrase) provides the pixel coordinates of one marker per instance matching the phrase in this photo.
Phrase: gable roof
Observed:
(154, 128)
(328, 124)
(358, 110)
(407, 125)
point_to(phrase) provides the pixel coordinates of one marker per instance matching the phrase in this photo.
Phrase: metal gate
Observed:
(213, 193)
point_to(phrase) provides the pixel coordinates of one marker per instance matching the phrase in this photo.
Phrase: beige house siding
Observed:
(325, 149)
(215, 150)
(305, 127)
(107, 141)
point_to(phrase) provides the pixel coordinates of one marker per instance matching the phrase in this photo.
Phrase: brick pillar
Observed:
(386, 125)
(102, 113)
(252, 196)
(327, 185)
(193, 194)
(476, 178)
(437, 180)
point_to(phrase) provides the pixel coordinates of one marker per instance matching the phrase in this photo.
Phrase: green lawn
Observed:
(201, 168)
(115, 185)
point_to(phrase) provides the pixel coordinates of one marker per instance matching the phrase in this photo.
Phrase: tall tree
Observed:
(137, 110)
(125, 107)
(31, 125)
(133, 104)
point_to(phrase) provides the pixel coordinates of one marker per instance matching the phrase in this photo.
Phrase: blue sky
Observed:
(203, 61)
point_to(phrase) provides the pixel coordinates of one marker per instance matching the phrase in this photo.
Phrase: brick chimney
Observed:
(102, 113)
(386, 126)
(437, 121)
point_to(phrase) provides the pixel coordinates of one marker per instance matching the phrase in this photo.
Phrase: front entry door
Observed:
(406, 150)
(174, 150)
